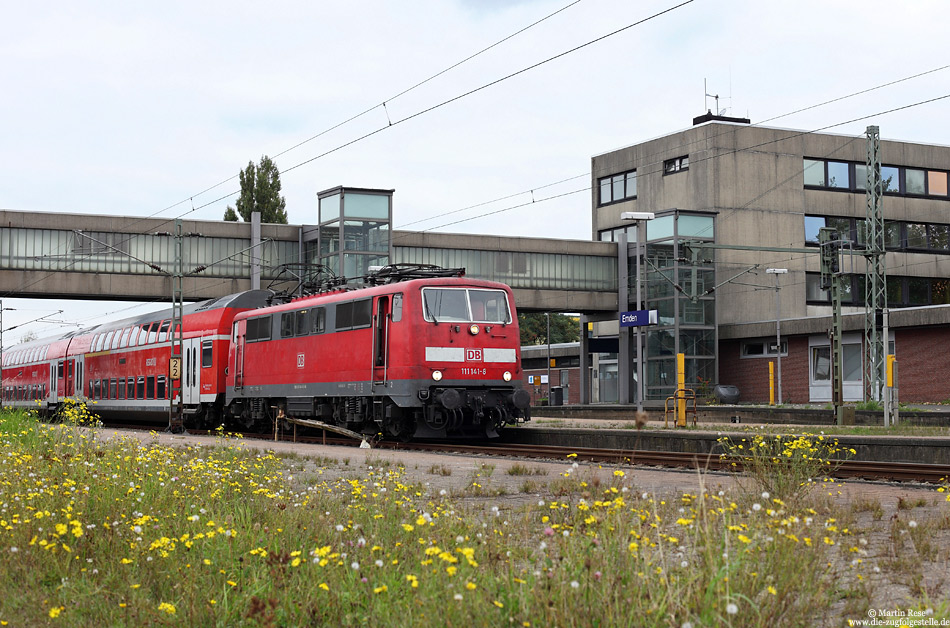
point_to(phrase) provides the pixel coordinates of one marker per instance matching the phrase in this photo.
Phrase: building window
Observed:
(676, 165)
(618, 187)
(852, 177)
(898, 236)
(762, 348)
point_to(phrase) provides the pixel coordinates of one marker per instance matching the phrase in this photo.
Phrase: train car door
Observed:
(381, 340)
(75, 376)
(54, 377)
(66, 374)
(191, 371)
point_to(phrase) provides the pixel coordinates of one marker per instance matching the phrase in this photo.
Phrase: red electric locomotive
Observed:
(420, 358)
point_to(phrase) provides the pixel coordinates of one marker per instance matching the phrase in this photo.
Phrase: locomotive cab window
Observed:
(489, 306)
(454, 305)
(397, 307)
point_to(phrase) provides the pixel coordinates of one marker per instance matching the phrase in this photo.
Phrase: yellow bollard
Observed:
(680, 390)
(771, 383)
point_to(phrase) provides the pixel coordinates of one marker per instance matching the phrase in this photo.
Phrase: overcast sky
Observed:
(136, 109)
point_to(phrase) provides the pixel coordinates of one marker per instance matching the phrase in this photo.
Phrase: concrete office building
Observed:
(726, 182)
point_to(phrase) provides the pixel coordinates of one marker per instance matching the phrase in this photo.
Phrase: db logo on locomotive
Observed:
(473, 355)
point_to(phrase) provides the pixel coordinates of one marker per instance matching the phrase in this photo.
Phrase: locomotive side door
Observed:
(381, 339)
(238, 365)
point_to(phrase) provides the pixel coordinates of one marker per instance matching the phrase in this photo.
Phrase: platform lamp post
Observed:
(778, 331)
(638, 218)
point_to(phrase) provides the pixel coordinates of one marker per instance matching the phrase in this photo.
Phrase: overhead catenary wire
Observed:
(354, 117)
(716, 156)
(385, 100)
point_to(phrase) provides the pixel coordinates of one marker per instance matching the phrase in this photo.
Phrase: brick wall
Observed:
(572, 394)
(751, 375)
(923, 357)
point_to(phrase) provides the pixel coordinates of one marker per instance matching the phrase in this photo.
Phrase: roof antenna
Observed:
(706, 102)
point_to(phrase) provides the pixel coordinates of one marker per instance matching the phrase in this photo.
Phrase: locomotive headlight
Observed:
(473, 329)
(437, 375)
(507, 376)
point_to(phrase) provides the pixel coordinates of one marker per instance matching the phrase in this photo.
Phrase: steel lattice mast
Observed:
(175, 363)
(875, 284)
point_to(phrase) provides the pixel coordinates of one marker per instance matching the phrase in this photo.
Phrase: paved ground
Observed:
(453, 472)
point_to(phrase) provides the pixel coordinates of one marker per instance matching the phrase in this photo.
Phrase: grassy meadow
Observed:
(101, 531)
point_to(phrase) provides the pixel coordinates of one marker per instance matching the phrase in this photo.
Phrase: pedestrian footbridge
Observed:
(76, 256)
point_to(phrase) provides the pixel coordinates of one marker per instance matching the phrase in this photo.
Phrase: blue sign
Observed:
(638, 318)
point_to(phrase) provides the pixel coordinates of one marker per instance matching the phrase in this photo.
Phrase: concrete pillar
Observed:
(255, 250)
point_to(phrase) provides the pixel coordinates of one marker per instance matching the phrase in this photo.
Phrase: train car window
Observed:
(153, 333)
(130, 388)
(160, 392)
(397, 307)
(59, 370)
(287, 324)
(362, 313)
(258, 329)
(97, 389)
(318, 320)
(301, 322)
(143, 335)
(163, 331)
(489, 306)
(113, 389)
(344, 316)
(354, 314)
(125, 338)
(150, 387)
(116, 339)
(140, 388)
(206, 353)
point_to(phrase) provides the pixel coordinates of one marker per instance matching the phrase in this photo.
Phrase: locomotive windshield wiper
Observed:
(425, 303)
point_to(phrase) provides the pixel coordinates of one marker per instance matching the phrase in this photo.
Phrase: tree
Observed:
(260, 192)
(534, 328)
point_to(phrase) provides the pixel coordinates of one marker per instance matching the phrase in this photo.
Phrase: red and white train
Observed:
(422, 358)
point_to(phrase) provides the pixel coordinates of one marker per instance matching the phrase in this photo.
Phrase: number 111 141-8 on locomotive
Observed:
(423, 358)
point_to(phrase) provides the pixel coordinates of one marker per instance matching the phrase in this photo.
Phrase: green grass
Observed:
(120, 533)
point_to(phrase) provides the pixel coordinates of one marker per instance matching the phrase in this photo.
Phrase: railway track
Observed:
(861, 469)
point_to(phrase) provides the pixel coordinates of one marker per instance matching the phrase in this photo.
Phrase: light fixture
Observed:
(473, 330)
(637, 216)
(437, 375)
(507, 376)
